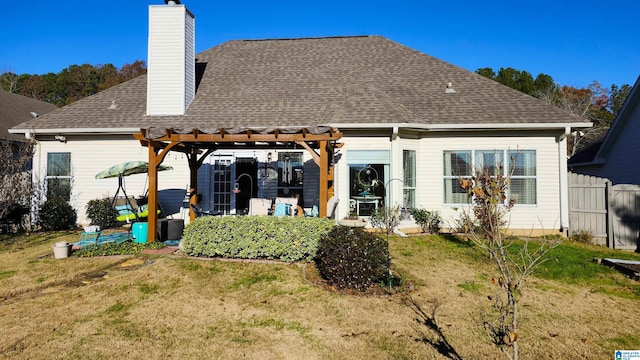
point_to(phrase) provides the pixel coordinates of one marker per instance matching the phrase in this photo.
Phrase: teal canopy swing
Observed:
(130, 210)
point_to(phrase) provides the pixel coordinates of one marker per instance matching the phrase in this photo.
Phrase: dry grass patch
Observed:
(180, 307)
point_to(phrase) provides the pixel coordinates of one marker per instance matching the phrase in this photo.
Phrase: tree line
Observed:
(72, 83)
(595, 103)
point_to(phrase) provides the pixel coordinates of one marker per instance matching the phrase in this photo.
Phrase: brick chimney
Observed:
(171, 59)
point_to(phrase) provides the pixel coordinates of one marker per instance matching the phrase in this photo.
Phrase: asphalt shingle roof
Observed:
(314, 81)
(15, 109)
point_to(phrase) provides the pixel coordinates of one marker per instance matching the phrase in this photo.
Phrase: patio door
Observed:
(245, 185)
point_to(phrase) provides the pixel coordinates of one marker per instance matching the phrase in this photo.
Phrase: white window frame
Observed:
(502, 155)
(51, 174)
(409, 178)
(453, 176)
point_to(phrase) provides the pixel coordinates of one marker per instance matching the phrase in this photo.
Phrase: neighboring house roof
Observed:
(16, 109)
(596, 153)
(345, 82)
(587, 153)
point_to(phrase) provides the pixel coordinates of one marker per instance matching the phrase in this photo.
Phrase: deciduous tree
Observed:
(488, 189)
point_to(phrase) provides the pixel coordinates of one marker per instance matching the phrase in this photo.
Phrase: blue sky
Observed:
(576, 42)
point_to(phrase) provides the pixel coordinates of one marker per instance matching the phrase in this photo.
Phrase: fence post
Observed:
(610, 214)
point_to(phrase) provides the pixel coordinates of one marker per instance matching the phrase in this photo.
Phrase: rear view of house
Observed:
(368, 121)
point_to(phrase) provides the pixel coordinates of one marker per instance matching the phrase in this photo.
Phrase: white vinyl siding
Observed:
(171, 60)
(90, 157)
(92, 154)
(545, 214)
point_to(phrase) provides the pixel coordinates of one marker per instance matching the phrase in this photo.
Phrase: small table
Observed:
(90, 236)
(369, 199)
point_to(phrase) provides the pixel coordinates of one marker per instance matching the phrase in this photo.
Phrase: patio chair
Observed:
(259, 206)
(332, 204)
(286, 206)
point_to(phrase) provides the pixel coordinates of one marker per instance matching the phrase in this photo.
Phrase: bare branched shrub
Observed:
(386, 218)
(15, 178)
(490, 206)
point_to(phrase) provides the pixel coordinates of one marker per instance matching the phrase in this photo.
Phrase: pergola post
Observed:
(156, 157)
(324, 179)
(193, 185)
(152, 219)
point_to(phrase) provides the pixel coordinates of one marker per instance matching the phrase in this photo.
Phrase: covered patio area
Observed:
(198, 143)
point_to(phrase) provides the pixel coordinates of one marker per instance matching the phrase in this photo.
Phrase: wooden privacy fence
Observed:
(611, 213)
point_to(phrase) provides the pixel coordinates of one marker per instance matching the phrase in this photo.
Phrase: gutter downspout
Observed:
(564, 186)
(36, 171)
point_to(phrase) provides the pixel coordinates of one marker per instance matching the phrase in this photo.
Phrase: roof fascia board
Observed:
(462, 127)
(428, 127)
(598, 161)
(78, 131)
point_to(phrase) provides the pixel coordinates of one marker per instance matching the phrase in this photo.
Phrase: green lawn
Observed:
(175, 306)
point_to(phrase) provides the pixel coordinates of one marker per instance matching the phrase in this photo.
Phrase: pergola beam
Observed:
(249, 136)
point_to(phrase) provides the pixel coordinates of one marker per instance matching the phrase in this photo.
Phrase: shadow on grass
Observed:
(428, 321)
(457, 239)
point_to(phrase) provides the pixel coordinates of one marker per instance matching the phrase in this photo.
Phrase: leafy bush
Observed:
(113, 248)
(351, 258)
(429, 221)
(252, 237)
(101, 213)
(57, 214)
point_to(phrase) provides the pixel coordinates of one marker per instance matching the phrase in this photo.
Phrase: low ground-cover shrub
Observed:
(113, 248)
(351, 258)
(253, 237)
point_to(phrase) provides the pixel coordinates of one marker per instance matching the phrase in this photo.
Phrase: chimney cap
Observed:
(172, 2)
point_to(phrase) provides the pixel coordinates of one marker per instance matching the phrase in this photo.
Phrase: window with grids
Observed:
(461, 164)
(222, 185)
(457, 164)
(409, 179)
(58, 177)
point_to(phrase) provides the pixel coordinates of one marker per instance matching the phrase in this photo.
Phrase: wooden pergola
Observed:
(197, 145)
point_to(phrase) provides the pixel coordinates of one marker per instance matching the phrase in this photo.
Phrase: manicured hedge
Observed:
(255, 237)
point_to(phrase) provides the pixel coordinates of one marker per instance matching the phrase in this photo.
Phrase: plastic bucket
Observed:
(140, 232)
(61, 250)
